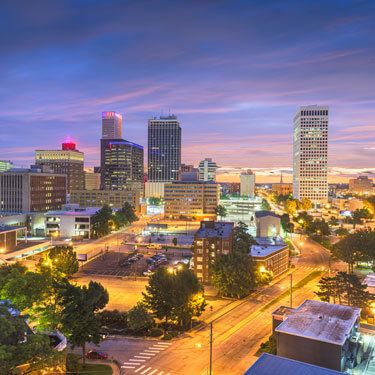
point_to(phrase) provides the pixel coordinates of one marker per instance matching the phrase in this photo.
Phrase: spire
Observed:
(281, 177)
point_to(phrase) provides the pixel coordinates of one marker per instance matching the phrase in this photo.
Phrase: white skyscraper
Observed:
(247, 184)
(310, 154)
(207, 170)
(111, 125)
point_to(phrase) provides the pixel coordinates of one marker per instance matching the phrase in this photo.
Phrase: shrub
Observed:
(155, 332)
(167, 336)
(113, 319)
(139, 319)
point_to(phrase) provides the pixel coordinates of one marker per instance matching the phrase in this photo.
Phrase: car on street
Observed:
(94, 354)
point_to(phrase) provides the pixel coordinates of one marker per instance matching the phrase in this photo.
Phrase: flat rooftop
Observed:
(321, 321)
(265, 250)
(266, 213)
(88, 211)
(211, 229)
(370, 280)
(10, 228)
(270, 241)
(268, 364)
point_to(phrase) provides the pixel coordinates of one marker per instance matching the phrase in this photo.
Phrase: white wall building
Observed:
(247, 184)
(310, 154)
(71, 222)
(154, 189)
(207, 170)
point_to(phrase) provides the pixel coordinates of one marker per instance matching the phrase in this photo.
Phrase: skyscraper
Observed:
(164, 148)
(310, 154)
(247, 184)
(111, 125)
(68, 161)
(121, 164)
(207, 170)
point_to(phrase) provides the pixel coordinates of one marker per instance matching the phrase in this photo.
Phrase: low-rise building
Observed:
(267, 223)
(270, 255)
(154, 189)
(28, 190)
(8, 237)
(361, 185)
(211, 240)
(322, 334)
(70, 223)
(193, 200)
(282, 188)
(268, 364)
(113, 198)
(347, 204)
(92, 181)
(369, 280)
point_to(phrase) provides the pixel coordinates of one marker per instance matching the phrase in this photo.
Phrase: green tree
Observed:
(233, 274)
(170, 295)
(304, 219)
(291, 206)
(286, 224)
(333, 221)
(360, 214)
(17, 346)
(242, 239)
(139, 319)
(125, 215)
(344, 288)
(318, 226)
(265, 205)
(154, 201)
(101, 222)
(79, 314)
(221, 211)
(306, 204)
(342, 232)
(62, 261)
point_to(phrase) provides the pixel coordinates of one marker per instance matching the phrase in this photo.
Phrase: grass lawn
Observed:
(96, 369)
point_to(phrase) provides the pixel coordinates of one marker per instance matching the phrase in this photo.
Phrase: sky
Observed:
(234, 72)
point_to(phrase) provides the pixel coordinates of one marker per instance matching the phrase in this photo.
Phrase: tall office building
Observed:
(247, 184)
(310, 154)
(121, 164)
(5, 165)
(111, 125)
(207, 170)
(164, 149)
(68, 161)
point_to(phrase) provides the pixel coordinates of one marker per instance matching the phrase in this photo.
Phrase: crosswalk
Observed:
(138, 362)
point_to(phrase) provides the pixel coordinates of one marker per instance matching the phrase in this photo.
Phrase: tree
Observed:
(242, 239)
(304, 219)
(139, 319)
(286, 224)
(360, 214)
(355, 247)
(154, 201)
(233, 274)
(341, 232)
(100, 222)
(333, 221)
(345, 289)
(291, 206)
(17, 347)
(221, 211)
(305, 204)
(79, 314)
(318, 226)
(265, 205)
(125, 215)
(62, 260)
(170, 295)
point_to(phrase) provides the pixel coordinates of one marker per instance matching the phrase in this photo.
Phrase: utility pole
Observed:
(291, 290)
(210, 349)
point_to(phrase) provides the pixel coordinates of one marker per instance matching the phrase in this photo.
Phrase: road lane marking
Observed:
(137, 360)
(152, 372)
(161, 373)
(164, 343)
(152, 351)
(147, 369)
(152, 354)
(141, 356)
(130, 363)
(139, 368)
(129, 367)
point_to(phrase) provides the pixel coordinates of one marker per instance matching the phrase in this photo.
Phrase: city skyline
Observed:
(233, 81)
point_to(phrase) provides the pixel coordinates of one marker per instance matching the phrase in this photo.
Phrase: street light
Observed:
(2, 250)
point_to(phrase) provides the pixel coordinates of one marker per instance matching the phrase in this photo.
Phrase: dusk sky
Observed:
(234, 72)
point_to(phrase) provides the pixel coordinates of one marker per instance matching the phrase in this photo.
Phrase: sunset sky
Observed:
(234, 72)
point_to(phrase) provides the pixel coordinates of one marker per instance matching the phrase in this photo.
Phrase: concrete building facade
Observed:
(164, 149)
(361, 185)
(27, 191)
(111, 125)
(68, 161)
(113, 198)
(247, 184)
(207, 170)
(210, 241)
(193, 200)
(92, 181)
(268, 224)
(310, 154)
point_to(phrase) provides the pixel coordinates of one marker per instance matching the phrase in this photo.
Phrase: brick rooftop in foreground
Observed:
(321, 321)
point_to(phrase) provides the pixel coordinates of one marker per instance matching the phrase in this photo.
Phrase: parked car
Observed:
(94, 354)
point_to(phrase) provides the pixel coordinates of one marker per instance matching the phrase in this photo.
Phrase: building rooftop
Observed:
(268, 364)
(321, 321)
(270, 241)
(215, 229)
(88, 211)
(370, 282)
(10, 228)
(265, 250)
(265, 213)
